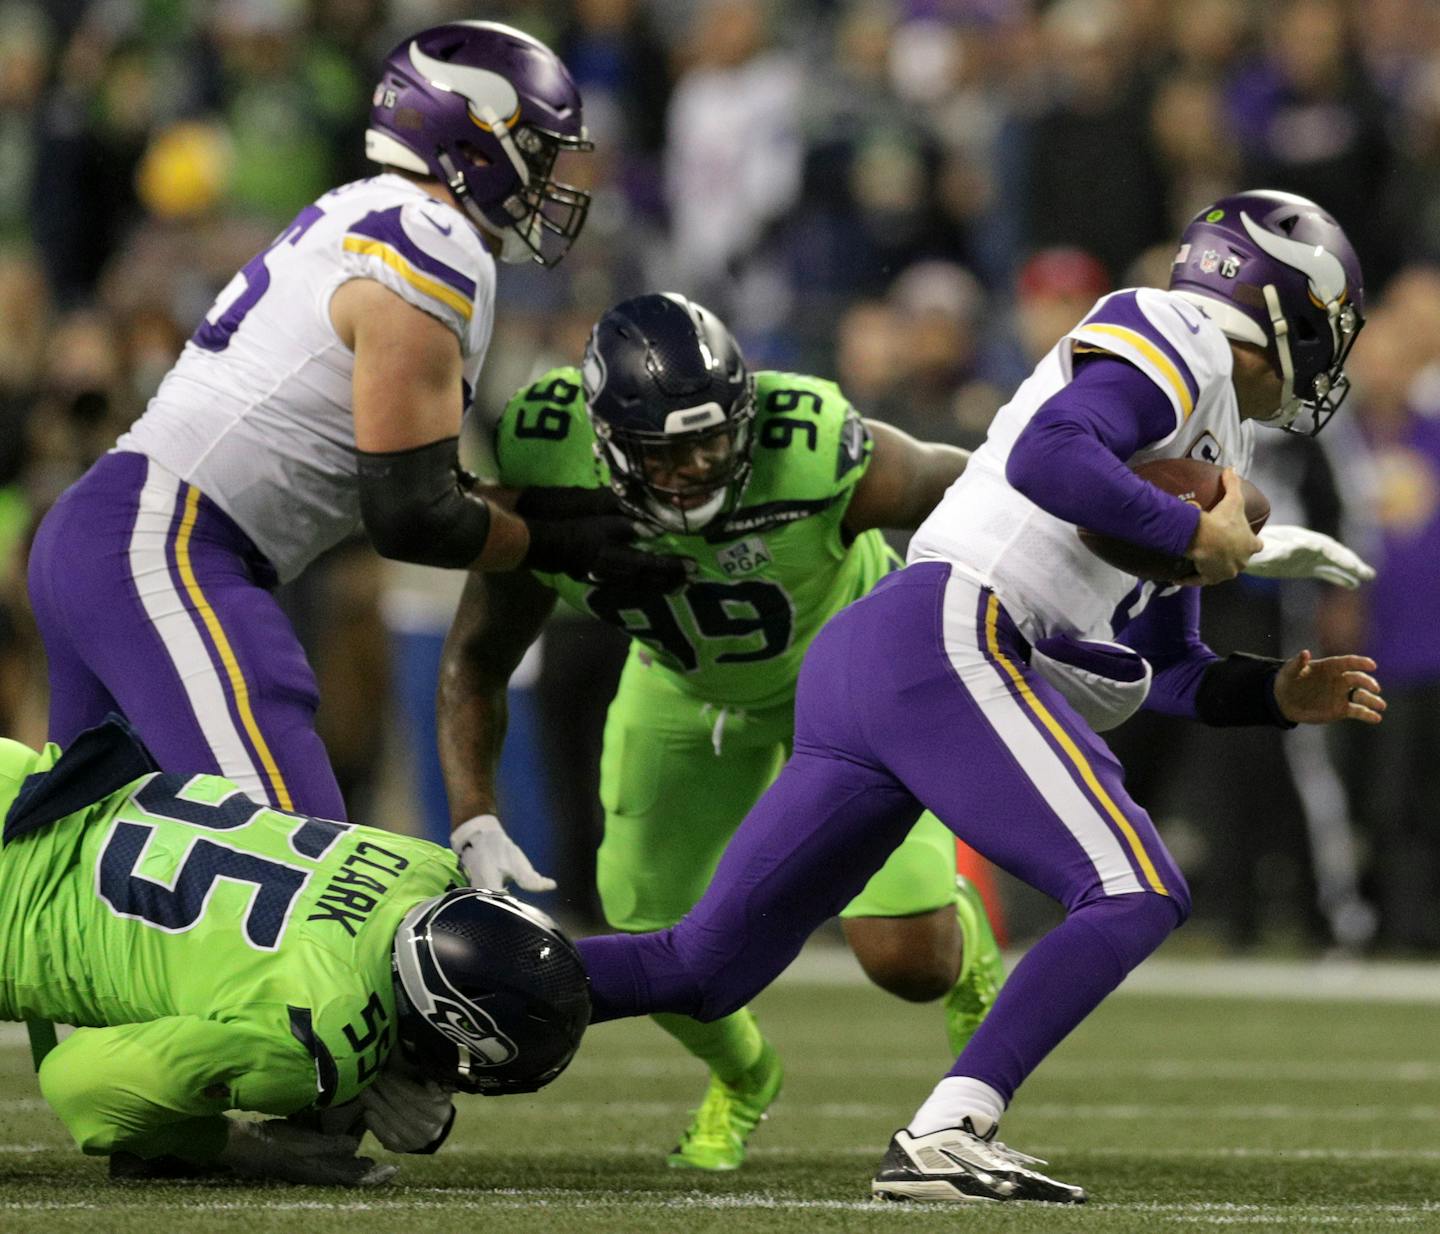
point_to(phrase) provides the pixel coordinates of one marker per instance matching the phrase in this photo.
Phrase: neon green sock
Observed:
(729, 1046)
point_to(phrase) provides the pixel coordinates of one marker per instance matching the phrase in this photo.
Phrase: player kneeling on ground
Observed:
(220, 955)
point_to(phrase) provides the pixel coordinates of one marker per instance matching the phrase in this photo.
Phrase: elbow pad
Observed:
(417, 506)
(1240, 689)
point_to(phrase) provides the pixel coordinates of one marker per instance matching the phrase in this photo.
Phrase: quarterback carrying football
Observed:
(974, 682)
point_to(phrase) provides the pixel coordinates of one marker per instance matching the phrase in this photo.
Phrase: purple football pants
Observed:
(919, 695)
(153, 603)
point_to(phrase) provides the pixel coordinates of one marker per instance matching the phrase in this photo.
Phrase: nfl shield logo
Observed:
(1209, 261)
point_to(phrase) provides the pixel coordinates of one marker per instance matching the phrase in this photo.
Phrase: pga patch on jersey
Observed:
(745, 557)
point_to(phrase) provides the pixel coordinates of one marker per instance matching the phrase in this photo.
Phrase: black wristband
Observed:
(1240, 689)
(417, 506)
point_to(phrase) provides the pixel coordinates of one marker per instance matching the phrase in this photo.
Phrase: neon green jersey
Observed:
(771, 572)
(217, 954)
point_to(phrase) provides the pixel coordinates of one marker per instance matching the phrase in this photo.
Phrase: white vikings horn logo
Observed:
(1318, 264)
(487, 93)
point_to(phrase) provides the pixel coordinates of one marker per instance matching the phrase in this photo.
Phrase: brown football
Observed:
(1190, 480)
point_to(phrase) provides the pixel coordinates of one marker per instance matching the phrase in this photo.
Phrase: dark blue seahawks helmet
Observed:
(492, 997)
(672, 403)
(486, 109)
(1275, 270)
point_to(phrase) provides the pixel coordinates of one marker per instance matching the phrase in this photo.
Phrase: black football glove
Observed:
(566, 501)
(601, 550)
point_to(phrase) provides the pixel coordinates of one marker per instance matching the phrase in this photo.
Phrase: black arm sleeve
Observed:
(1240, 689)
(417, 506)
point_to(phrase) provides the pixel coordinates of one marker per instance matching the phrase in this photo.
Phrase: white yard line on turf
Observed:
(1329, 1215)
(870, 1152)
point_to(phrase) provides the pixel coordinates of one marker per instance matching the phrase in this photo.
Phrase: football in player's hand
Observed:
(1190, 480)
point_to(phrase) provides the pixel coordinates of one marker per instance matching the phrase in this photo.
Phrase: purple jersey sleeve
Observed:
(1167, 633)
(1070, 459)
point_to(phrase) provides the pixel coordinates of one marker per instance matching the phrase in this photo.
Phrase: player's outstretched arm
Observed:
(498, 618)
(1311, 691)
(904, 482)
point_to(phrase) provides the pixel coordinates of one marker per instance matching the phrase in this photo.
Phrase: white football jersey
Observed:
(1049, 582)
(257, 411)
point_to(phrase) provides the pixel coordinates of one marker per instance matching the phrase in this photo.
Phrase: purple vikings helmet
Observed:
(1275, 270)
(486, 109)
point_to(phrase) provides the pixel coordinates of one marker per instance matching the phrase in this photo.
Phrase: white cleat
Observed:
(956, 1165)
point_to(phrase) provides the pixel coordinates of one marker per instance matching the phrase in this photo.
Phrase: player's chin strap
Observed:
(515, 250)
(1291, 402)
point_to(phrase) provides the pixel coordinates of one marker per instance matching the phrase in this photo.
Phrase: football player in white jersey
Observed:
(973, 682)
(322, 394)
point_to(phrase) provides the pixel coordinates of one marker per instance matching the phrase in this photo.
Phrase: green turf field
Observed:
(1178, 1111)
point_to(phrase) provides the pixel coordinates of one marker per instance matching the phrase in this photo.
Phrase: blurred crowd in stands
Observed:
(914, 196)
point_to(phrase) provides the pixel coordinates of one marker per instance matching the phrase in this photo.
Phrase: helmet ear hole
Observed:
(1305, 330)
(473, 154)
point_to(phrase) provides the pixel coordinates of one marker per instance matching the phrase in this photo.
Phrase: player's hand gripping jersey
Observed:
(770, 573)
(257, 412)
(1048, 581)
(216, 954)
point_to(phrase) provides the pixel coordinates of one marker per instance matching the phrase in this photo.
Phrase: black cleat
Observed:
(128, 1168)
(955, 1165)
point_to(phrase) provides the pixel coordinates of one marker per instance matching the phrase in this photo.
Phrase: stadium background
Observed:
(915, 196)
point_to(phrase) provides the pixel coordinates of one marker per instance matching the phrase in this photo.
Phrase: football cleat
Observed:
(715, 1138)
(957, 1165)
(981, 970)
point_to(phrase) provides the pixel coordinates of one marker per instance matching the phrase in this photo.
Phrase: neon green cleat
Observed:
(981, 970)
(715, 1138)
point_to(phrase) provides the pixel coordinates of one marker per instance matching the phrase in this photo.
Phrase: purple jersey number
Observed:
(215, 335)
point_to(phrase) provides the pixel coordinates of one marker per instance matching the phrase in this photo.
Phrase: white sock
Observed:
(955, 1098)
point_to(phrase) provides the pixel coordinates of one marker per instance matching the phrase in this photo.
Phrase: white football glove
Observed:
(407, 1113)
(1298, 552)
(279, 1149)
(490, 857)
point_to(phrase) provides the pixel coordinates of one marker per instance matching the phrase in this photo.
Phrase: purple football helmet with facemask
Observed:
(1275, 270)
(486, 109)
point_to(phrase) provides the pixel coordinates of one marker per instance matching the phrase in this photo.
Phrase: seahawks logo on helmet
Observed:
(491, 996)
(488, 1046)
